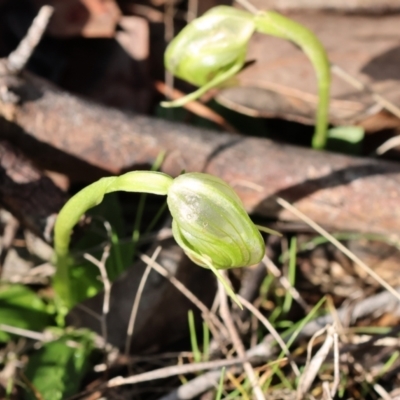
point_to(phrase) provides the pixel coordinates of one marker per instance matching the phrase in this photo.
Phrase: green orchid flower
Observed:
(210, 50)
(209, 222)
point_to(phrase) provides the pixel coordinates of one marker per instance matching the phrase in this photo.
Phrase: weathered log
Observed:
(67, 134)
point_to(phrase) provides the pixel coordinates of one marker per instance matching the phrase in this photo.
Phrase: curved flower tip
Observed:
(211, 224)
(212, 48)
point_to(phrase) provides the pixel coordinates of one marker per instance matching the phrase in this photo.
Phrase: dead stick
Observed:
(68, 134)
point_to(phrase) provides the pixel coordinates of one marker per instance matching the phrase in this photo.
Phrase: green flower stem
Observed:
(92, 195)
(272, 23)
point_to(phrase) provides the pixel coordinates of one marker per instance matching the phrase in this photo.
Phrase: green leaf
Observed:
(20, 307)
(57, 369)
(346, 139)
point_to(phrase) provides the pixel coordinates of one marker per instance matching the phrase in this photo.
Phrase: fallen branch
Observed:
(86, 141)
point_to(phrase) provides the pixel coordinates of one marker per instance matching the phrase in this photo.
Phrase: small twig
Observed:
(314, 366)
(388, 145)
(101, 265)
(310, 344)
(339, 245)
(18, 59)
(237, 342)
(325, 391)
(41, 337)
(272, 331)
(336, 365)
(136, 302)
(382, 391)
(174, 370)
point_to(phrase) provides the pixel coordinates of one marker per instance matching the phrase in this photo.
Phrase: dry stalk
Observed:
(41, 337)
(175, 370)
(388, 145)
(101, 265)
(18, 59)
(135, 306)
(237, 342)
(313, 366)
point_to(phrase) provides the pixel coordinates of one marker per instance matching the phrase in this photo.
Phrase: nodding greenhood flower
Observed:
(210, 49)
(211, 224)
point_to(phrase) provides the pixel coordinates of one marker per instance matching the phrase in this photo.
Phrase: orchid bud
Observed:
(210, 49)
(211, 224)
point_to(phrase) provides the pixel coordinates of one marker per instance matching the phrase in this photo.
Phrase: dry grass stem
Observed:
(382, 392)
(236, 340)
(326, 393)
(390, 144)
(336, 365)
(135, 306)
(272, 331)
(311, 342)
(41, 337)
(339, 245)
(17, 60)
(101, 265)
(314, 366)
(175, 370)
